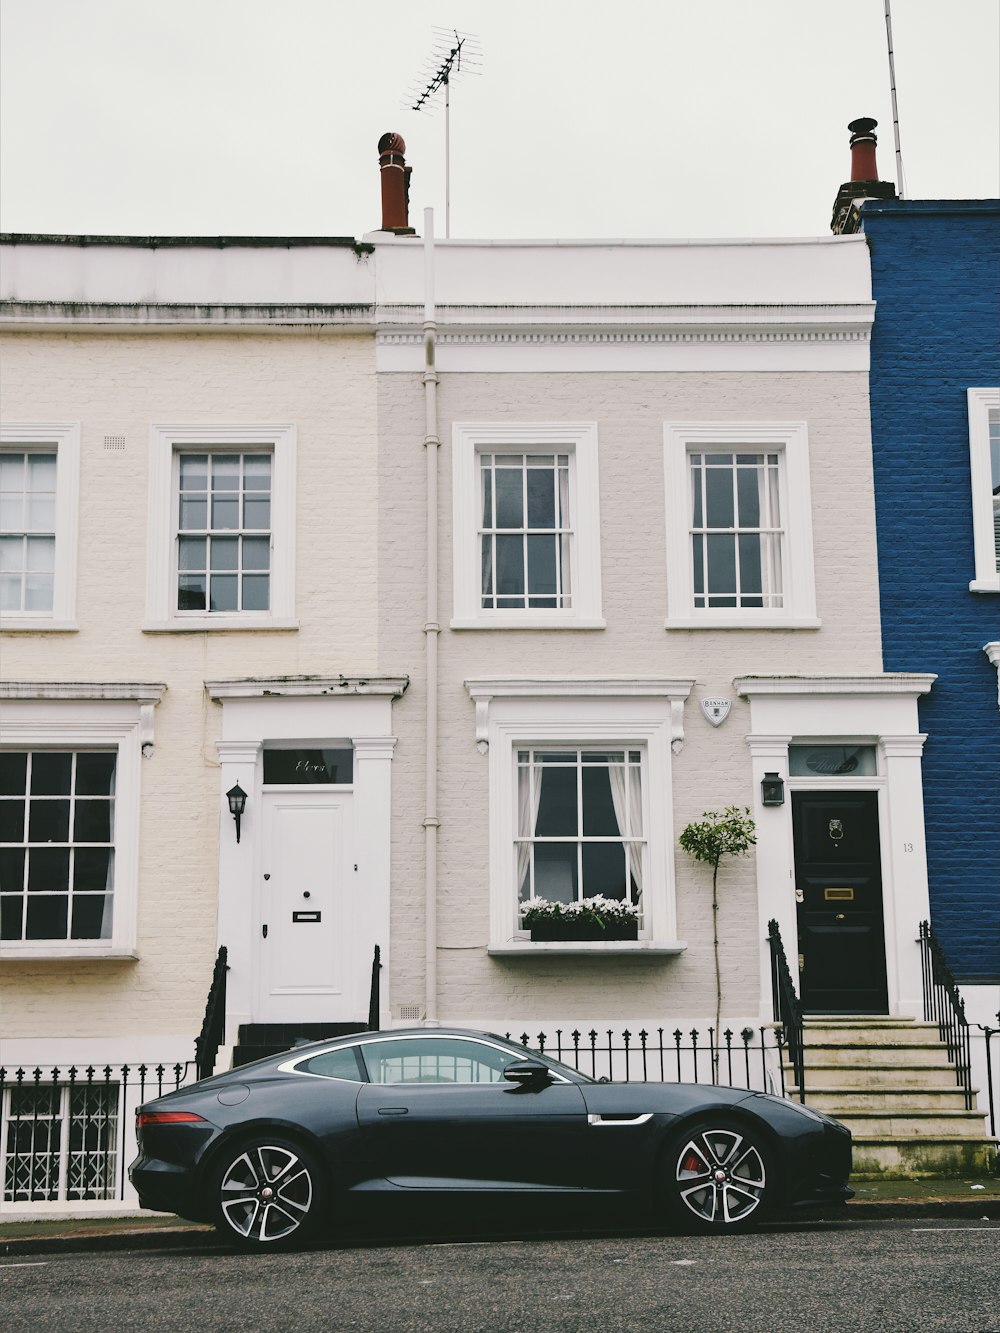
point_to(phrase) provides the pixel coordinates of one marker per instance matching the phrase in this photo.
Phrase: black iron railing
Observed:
(944, 1006)
(213, 1027)
(373, 1002)
(787, 1009)
(749, 1058)
(68, 1134)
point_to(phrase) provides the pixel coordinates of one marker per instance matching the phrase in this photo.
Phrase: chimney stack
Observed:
(395, 185)
(864, 182)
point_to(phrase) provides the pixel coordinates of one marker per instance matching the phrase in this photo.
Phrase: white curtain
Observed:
(529, 795)
(626, 787)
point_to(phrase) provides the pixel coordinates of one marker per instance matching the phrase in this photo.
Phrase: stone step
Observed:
(935, 1077)
(907, 1124)
(823, 1054)
(877, 1157)
(839, 1101)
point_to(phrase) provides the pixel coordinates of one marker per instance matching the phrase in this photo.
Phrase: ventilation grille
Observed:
(410, 1012)
(114, 444)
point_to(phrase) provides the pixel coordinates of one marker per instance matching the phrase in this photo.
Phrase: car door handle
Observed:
(625, 1121)
(394, 1110)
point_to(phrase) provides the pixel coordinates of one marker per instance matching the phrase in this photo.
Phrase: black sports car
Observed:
(264, 1151)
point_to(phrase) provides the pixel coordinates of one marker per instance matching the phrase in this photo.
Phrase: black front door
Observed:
(838, 891)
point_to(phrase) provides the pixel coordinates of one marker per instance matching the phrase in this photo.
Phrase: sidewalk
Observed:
(889, 1199)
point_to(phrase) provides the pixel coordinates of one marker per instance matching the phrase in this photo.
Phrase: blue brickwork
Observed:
(936, 280)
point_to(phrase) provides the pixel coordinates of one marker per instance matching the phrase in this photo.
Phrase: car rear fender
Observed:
(248, 1130)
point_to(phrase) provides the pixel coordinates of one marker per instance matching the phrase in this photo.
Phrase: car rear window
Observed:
(342, 1062)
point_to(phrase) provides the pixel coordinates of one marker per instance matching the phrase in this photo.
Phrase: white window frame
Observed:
(71, 717)
(788, 439)
(62, 438)
(579, 440)
(644, 715)
(166, 442)
(981, 403)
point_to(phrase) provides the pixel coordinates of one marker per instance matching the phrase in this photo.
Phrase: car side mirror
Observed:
(528, 1074)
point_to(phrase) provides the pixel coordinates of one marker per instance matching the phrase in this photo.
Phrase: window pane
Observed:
(38, 592)
(12, 821)
(41, 554)
(13, 772)
(91, 916)
(257, 472)
(750, 571)
(698, 562)
(541, 498)
(11, 869)
(557, 808)
(12, 476)
(11, 554)
(93, 821)
(48, 869)
(191, 553)
(556, 875)
(604, 870)
(719, 497)
(11, 917)
(542, 569)
(256, 553)
(193, 515)
(225, 512)
(748, 489)
(509, 498)
(93, 868)
(599, 816)
(256, 513)
(10, 592)
(342, 1063)
(256, 592)
(510, 567)
(42, 472)
(51, 773)
(41, 513)
(194, 472)
(225, 472)
(47, 915)
(721, 566)
(191, 593)
(294, 767)
(811, 761)
(697, 475)
(225, 551)
(487, 488)
(223, 594)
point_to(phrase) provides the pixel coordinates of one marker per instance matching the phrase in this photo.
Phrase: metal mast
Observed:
(895, 112)
(454, 54)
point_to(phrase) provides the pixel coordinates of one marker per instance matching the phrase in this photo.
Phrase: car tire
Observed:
(269, 1193)
(719, 1176)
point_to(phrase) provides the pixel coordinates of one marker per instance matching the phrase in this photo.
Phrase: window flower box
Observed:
(590, 919)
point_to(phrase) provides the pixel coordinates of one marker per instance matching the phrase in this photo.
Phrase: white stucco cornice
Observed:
(140, 692)
(151, 316)
(297, 687)
(899, 682)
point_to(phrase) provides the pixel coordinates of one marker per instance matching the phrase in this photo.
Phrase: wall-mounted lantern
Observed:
(237, 799)
(772, 789)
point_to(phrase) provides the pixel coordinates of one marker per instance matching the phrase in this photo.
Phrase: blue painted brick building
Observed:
(936, 282)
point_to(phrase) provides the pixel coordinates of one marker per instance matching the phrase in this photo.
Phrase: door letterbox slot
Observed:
(313, 917)
(838, 895)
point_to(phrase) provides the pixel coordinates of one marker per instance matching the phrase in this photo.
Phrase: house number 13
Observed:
(907, 846)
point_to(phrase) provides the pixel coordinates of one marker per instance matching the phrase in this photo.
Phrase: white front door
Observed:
(313, 968)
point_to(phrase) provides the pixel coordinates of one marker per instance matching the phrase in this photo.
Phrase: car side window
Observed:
(343, 1062)
(435, 1060)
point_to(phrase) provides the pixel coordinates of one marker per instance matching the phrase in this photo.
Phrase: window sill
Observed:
(42, 952)
(25, 625)
(217, 625)
(742, 621)
(985, 585)
(528, 620)
(573, 948)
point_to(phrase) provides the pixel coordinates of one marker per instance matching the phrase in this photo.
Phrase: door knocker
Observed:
(836, 829)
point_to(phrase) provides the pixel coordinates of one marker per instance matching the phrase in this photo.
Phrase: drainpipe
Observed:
(431, 630)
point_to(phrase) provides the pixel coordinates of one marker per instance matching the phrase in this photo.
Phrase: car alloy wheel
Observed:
(718, 1177)
(269, 1194)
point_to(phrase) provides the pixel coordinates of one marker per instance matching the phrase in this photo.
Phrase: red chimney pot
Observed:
(395, 183)
(863, 143)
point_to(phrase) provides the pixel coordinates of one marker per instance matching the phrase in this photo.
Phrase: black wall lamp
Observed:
(772, 789)
(237, 799)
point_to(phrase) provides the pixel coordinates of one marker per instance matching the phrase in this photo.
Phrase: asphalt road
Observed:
(840, 1277)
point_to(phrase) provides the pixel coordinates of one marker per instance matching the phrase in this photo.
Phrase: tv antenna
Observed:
(454, 53)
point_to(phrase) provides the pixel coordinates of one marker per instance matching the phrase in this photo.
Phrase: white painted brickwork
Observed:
(714, 768)
(117, 386)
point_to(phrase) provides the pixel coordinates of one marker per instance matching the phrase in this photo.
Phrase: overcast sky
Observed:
(613, 118)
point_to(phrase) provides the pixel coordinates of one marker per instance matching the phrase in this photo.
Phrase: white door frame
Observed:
(313, 712)
(876, 709)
